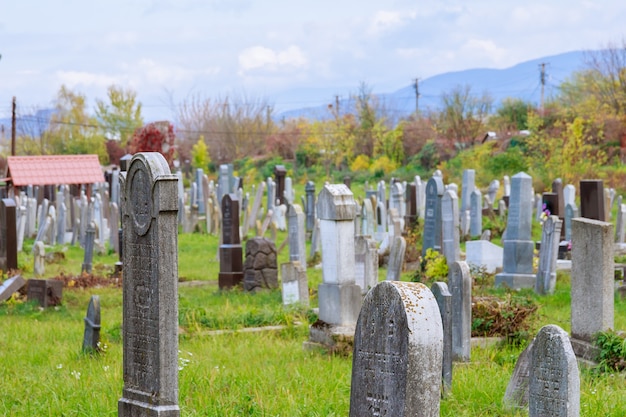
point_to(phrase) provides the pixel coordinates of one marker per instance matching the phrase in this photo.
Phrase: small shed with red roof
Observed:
(53, 170)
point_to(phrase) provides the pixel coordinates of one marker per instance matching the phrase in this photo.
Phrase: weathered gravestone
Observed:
(554, 383)
(397, 360)
(365, 263)
(90, 236)
(260, 267)
(295, 284)
(396, 258)
(280, 172)
(516, 394)
(309, 190)
(460, 285)
(450, 234)
(546, 273)
(432, 220)
(296, 234)
(467, 188)
(476, 214)
(592, 200)
(39, 258)
(10, 286)
(47, 292)
(231, 256)
(571, 212)
(444, 301)
(91, 337)
(8, 235)
(150, 289)
(518, 246)
(592, 278)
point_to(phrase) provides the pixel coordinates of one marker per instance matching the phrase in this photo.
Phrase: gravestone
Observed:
(420, 197)
(460, 285)
(592, 278)
(620, 222)
(47, 292)
(518, 246)
(150, 289)
(91, 337)
(450, 234)
(200, 196)
(432, 219)
(368, 218)
(444, 301)
(10, 286)
(90, 236)
(484, 254)
(309, 190)
(365, 263)
(592, 200)
(231, 263)
(296, 235)
(569, 194)
(557, 188)
(476, 213)
(396, 258)
(554, 382)
(39, 258)
(223, 182)
(290, 194)
(516, 394)
(410, 219)
(8, 235)
(492, 192)
(467, 188)
(548, 254)
(571, 211)
(295, 284)
(261, 267)
(280, 173)
(397, 359)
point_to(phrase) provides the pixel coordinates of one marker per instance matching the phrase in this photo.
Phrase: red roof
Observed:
(54, 170)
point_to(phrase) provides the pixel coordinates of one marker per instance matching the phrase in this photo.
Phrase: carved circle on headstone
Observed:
(140, 202)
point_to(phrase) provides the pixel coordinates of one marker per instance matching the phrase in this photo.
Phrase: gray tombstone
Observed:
(444, 301)
(39, 256)
(569, 194)
(397, 360)
(365, 263)
(432, 219)
(460, 284)
(90, 236)
(467, 188)
(296, 235)
(476, 213)
(150, 314)
(450, 236)
(571, 211)
(91, 337)
(554, 382)
(10, 286)
(518, 246)
(592, 278)
(492, 192)
(396, 258)
(309, 190)
(548, 254)
(295, 287)
(223, 182)
(620, 222)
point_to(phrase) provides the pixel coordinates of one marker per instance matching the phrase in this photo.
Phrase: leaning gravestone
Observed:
(150, 292)
(91, 338)
(516, 394)
(10, 286)
(554, 383)
(397, 360)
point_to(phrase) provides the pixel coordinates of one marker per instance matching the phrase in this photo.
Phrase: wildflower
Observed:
(76, 374)
(106, 368)
(60, 366)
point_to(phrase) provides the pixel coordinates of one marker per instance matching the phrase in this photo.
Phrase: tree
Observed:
(463, 115)
(200, 154)
(512, 114)
(121, 116)
(155, 137)
(606, 76)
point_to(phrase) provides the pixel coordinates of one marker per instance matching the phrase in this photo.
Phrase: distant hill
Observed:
(520, 81)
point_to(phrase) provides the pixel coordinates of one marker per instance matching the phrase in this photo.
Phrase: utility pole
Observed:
(13, 128)
(542, 78)
(417, 94)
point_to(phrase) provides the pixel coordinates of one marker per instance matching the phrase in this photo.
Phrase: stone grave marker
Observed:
(261, 267)
(39, 258)
(90, 236)
(571, 211)
(280, 172)
(492, 192)
(432, 220)
(592, 200)
(516, 394)
(476, 213)
(91, 337)
(309, 190)
(223, 182)
(620, 222)
(467, 188)
(296, 234)
(396, 258)
(518, 246)
(10, 286)
(592, 278)
(482, 253)
(557, 188)
(548, 254)
(450, 237)
(569, 194)
(444, 301)
(410, 219)
(295, 284)
(365, 263)
(554, 382)
(47, 292)
(150, 289)
(460, 285)
(397, 360)
(8, 235)
(231, 256)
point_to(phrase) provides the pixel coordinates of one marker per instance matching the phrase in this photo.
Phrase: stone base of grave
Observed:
(228, 280)
(332, 338)
(516, 281)
(130, 408)
(339, 303)
(585, 352)
(47, 292)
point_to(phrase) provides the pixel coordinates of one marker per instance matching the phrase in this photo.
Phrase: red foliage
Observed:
(115, 151)
(155, 137)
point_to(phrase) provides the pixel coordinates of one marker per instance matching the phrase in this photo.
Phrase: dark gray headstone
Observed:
(231, 252)
(548, 254)
(260, 267)
(90, 236)
(592, 200)
(47, 292)
(91, 337)
(309, 190)
(150, 314)
(444, 301)
(8, 235)
(397, 360)
(432, 219)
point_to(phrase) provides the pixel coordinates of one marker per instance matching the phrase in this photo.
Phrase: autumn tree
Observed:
(155, 137)
(463, 115)
(200, 154)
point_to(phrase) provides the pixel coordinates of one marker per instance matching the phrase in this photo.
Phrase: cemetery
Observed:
(154, 292)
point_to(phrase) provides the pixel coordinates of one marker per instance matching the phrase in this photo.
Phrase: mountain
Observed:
(520, 81)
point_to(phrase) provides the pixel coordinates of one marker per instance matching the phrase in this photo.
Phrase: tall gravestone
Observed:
(467, 187)
(396, 258)
(90, 236)
(223, 182)
(8, 235)
(231, 252)
(592, 278)
(397, 360)
(296, 234)
(365, 263)
(91, 337)
(280, 173)
(476, 213)
(592, 200)
(432, 219)
(460, 286)
(309, 190)
(410, 220)
(518, 246)
(444, 301)
(554, 382)
(150, 292)
(450, 234)
(548, 254)
(571, 212)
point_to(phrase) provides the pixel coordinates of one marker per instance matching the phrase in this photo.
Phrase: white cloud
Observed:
(73, 79)
(485, 48)
(385, 20)
(262, 58)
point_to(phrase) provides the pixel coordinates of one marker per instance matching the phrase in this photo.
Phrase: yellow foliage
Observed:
(360, 163)
(383, 164)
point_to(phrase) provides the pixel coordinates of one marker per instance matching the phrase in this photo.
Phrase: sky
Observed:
(291, 53)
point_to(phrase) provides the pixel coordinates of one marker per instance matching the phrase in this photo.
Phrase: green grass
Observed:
(44, 373)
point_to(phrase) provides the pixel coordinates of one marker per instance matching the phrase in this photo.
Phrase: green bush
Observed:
(612, 352)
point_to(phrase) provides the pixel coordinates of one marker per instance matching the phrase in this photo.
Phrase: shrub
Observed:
(384, 165)
(612, 352)
(360, 163)
(508, 317)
